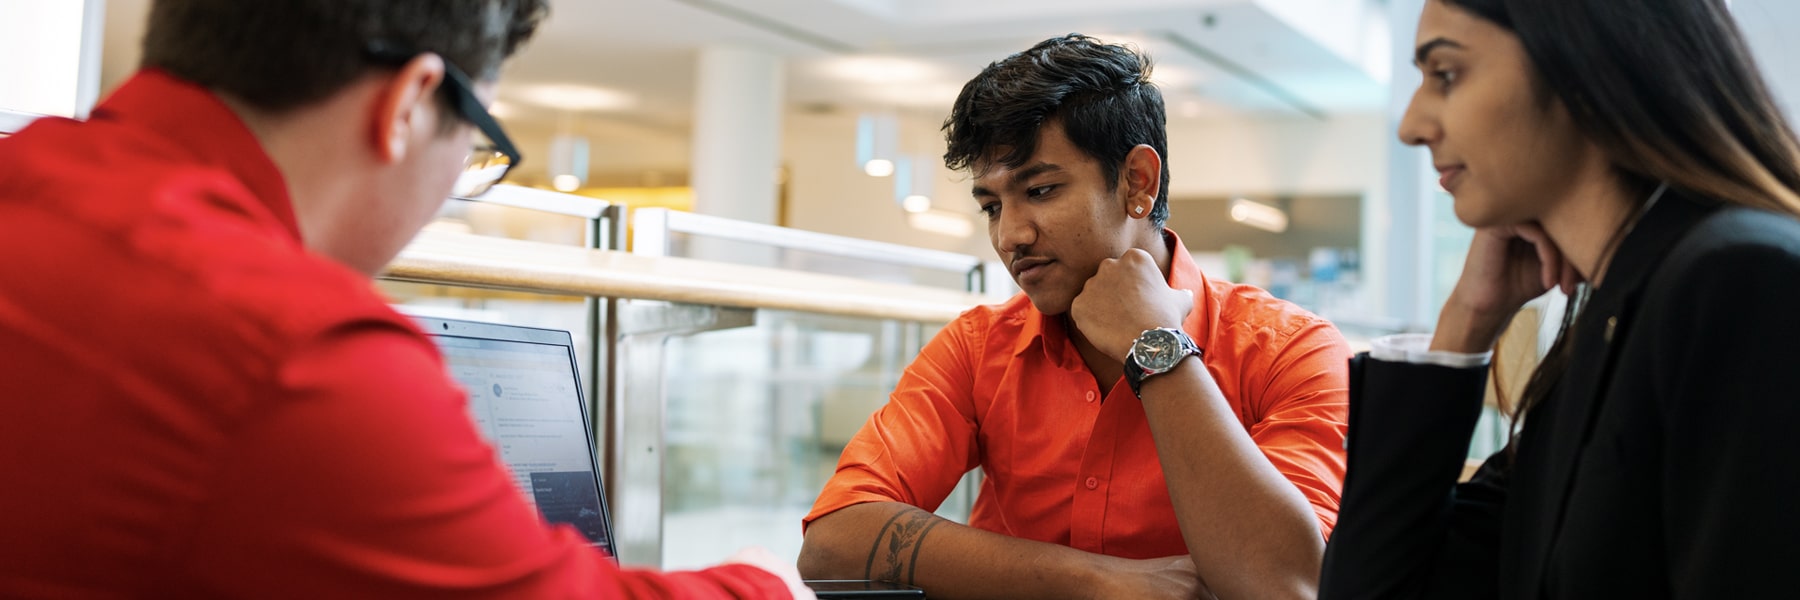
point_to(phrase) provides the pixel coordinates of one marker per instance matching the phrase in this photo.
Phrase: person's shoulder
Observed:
(988, 327)
(1733, 245)
(240, 281)
(1256, 327)
(120, 183)
(98, 143)
(1253, 309)
(297, 295)
(998, 318)
(1725, 278)
(1739, 229)
(134, 249)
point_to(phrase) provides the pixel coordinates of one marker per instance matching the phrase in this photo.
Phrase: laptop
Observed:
(525, 396)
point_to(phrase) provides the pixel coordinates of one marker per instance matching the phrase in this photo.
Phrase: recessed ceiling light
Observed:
(916, 203)
(941, 222)
(879, 167)
(880, 69)
(566, 183)
(566, 96)
(1259, 215)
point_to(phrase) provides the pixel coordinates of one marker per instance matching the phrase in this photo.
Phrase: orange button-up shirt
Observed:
(1004, 388)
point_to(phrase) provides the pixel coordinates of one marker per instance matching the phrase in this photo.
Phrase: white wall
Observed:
(1208, 157)
(829, 193)
(50, 56)
(1289, 155)
(1768, 26)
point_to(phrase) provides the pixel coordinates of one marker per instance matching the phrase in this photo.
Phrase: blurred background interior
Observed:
(823, 116)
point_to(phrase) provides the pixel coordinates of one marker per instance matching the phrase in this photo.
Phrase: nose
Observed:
(1419, 125)
(1013, 230)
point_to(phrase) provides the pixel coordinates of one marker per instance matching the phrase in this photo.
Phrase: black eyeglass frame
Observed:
(460, 91)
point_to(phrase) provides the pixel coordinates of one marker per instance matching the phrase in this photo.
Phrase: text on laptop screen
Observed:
(524, 398)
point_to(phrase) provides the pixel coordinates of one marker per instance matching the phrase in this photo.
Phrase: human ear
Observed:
(405, 106)
(1141, 179)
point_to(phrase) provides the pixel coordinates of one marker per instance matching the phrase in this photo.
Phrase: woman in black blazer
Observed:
(1628, 151)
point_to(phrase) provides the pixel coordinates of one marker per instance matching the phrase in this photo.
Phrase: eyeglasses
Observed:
(492, 154)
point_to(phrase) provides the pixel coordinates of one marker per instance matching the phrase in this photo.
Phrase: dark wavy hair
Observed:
(1667, 89)
(1100, 93)
(278, 55)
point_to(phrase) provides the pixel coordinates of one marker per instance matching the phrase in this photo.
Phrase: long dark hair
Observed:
(1667, 89)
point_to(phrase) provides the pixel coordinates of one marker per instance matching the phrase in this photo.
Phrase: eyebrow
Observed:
(1426, 49)
(1019, 176)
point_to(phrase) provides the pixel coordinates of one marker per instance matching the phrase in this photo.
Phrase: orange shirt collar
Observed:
(1050, 333)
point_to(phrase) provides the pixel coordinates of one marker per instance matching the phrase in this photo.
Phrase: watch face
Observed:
(1157, 350)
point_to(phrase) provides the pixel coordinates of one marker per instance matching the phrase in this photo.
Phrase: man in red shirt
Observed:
(206, 397)
(1115, 466)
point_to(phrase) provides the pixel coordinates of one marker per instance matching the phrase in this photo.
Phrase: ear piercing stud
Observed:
(1138, 210)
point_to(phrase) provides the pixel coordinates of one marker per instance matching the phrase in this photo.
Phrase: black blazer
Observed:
(1665, 464)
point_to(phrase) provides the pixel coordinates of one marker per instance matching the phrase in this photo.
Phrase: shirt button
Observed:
(1093, 483)
(1090, 396)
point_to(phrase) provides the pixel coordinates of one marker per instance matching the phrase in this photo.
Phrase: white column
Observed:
(737, 133)
(49, 59)
(1397, 228)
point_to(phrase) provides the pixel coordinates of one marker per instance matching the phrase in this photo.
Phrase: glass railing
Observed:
(526, 214)
(756, 416)
(725, 391)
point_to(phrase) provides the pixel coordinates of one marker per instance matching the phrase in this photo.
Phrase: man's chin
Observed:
(1047, 305)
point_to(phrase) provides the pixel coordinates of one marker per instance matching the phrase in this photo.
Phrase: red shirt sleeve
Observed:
(1305, 408)
(364, 476)
(916, 447)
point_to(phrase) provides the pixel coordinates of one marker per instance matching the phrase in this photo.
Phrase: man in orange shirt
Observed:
(1115, 466)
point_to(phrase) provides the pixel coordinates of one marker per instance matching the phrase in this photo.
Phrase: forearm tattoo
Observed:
(896, 549)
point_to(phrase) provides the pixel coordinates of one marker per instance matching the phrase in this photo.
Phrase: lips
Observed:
(1449, 176)
(1029, 269)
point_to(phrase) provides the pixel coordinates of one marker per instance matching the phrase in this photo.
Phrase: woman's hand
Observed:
(1506, 267)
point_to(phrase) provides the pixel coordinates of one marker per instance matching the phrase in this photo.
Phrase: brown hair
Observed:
(277, 55)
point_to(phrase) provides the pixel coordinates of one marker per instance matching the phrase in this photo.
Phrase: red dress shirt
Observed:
(1004, 388)
(197, 406)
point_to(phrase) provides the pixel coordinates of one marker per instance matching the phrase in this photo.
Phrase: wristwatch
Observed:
(1155, 352)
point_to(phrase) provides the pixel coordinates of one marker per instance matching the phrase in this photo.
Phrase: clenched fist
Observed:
(1125, 297)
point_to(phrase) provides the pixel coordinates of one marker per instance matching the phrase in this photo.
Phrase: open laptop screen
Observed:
(526, 398)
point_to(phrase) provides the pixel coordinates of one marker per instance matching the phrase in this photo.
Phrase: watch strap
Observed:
(1135, 374)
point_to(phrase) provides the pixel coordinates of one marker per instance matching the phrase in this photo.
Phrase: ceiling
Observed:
(624, 70)
(1223, 54)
